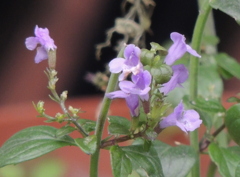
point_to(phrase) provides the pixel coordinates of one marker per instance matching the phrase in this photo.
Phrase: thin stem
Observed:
(196, 44)
(101, 121)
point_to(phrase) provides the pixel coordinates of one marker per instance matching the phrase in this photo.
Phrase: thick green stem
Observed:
(211, 169)
(194, 62)
(101, 121)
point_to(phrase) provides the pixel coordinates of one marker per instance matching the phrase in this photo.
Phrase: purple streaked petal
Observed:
(41, 54)
(142, 79)
(178, 48)
(132, 54)
(116, 65)
(133, 104)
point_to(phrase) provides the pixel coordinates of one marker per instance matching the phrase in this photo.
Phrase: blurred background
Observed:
(76, 27)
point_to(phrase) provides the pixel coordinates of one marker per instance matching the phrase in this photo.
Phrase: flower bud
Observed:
(64, 95)
(161, 74)
(59, 117)
(40, 107)
(52, 59)
(146, 57)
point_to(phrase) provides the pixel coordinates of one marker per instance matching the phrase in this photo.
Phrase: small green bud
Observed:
(146, 57)
(59, 117)
(40, 107)
(161, 74)
(74, 111)
(64, 95)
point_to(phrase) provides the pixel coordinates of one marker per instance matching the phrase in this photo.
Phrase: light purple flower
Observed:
(131, 63)
(180, 75)
(178, 49)
(132, 91)
(186, 120)
(42, 38)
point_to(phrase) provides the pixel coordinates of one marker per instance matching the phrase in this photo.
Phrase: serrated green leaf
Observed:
(176, 161)
(118, 125)
(229, 64)
(144, 161)
(31, 143)
(230, 7)
(87, 144)
(87, 125)
(232, 122)
(226, 159)
(121, 164)
(64, 131)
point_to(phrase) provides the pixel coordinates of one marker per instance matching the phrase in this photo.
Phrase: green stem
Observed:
(101, 121)
(196, 44)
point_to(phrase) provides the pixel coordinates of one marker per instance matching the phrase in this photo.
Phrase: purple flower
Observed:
(180, 75)
(186, 120)
(131, 63)
(178, 49)
(132, 91)
(42, 38)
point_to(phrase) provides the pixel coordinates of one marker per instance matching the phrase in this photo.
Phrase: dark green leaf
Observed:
(118, 125)
(230, 7)
(31, 143)
(64, 131)
(232, 122)
(176, 161)
(87, 144)
(226, 159)
(147, 162)
(87, 125)
(229, 64)
(121, 164)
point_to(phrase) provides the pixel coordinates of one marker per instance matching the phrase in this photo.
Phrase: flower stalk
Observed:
(113, 80)
(193, 70)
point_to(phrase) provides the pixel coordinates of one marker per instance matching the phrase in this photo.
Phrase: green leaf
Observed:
(118, 125)
(144, 162)
(31, 143)
(226, 159)
(230, 7)
(121, 164)
(176, 161)
(233, 99)
(87, 125)
(87, 144)
(64, 131)
(208, 105)
(229, 64)
(232, 122)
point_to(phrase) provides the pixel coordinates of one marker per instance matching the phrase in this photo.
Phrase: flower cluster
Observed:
(137, 90)
(41, 37)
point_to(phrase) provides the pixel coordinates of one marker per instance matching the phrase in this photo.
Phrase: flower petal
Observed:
(116, 94)
(133, 104)
(31, 43)
(41, 55)
(116, 65)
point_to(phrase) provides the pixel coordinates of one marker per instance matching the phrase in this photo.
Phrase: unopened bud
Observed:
(40, 107)
(161, 74)
(52, 58)
(64, 95)
(59, 117)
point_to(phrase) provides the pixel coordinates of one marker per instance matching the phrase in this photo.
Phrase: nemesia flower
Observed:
(42, 38)
(178, 49)
(180, 75)
(186, 120)
(131, 63)
(132, 91)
